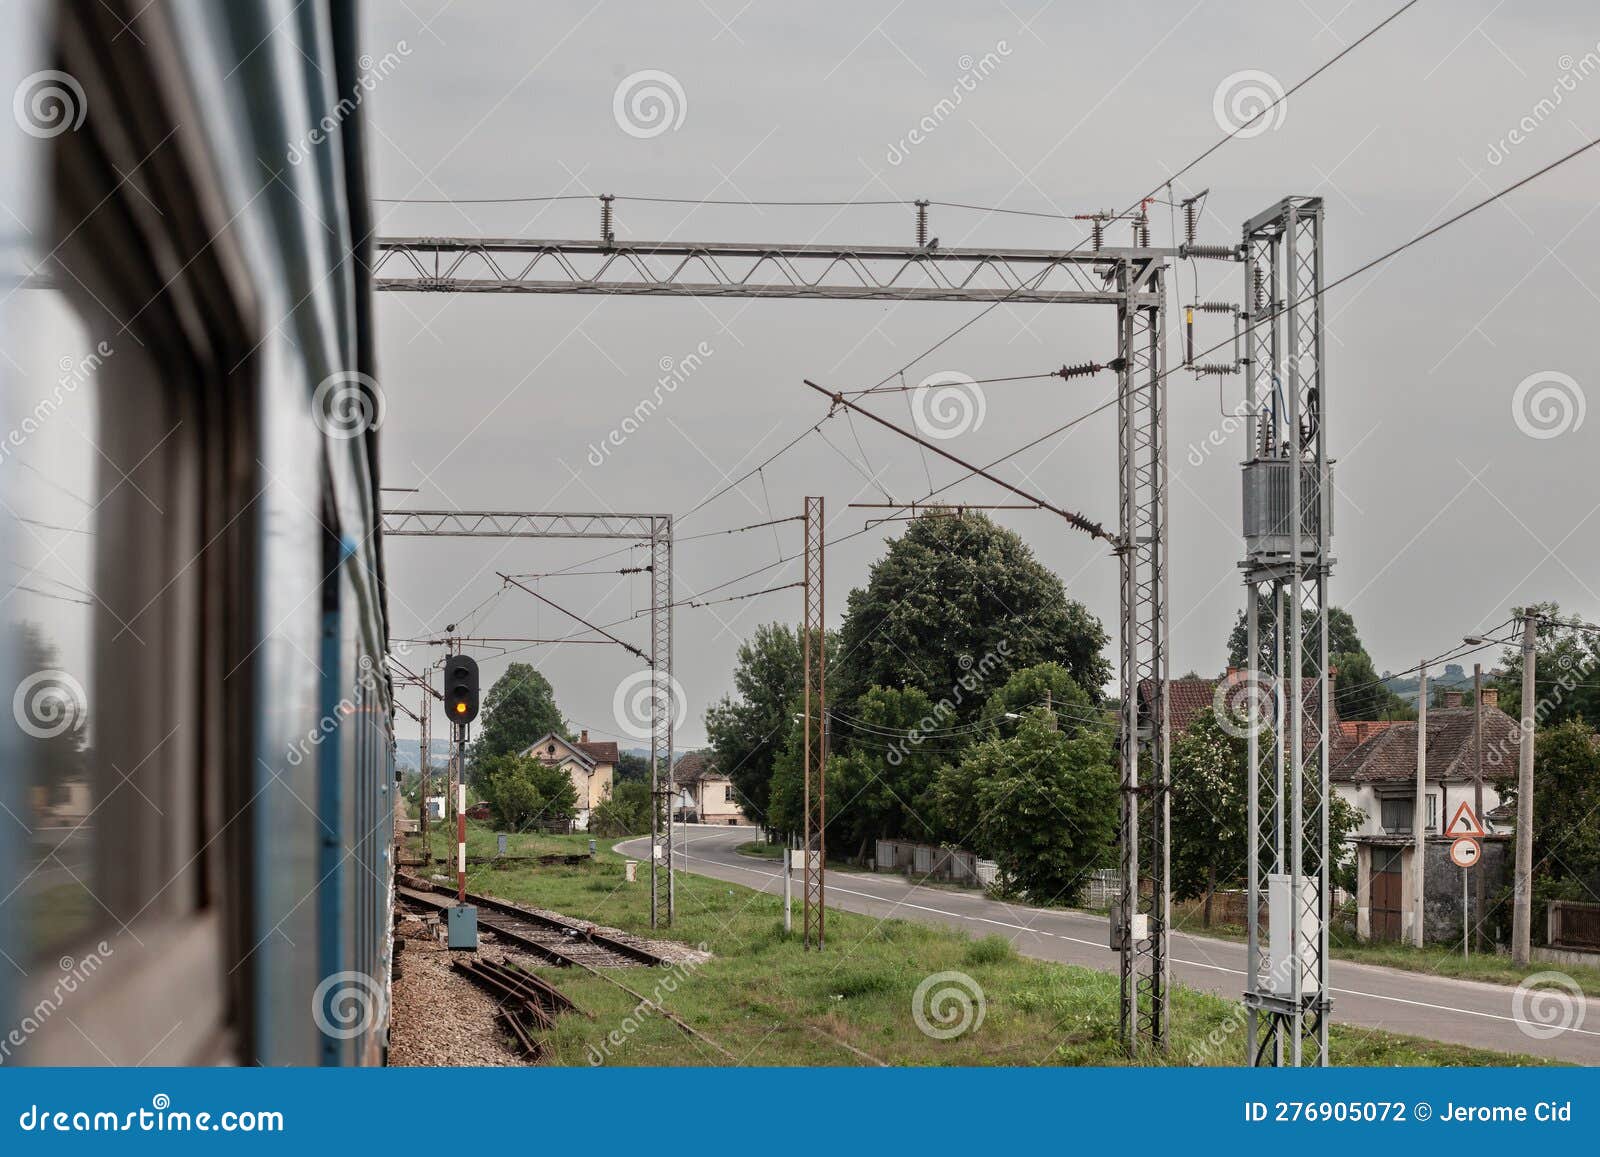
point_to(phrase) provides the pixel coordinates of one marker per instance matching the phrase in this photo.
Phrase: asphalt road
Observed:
(1461, 1011)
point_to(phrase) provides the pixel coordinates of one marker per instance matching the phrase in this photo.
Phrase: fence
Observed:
(930, 862)
(1573, 924)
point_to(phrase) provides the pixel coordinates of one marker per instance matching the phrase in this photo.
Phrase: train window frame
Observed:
(141, 248)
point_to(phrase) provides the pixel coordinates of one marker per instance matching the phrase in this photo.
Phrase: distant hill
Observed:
(408, 753)
(1454, 677)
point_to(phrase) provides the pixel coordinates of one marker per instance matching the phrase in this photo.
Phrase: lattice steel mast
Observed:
(1143, 935)
(814, 661)
(1288, 528)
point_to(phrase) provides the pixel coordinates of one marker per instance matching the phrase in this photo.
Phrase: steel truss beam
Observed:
(519, 524)
(654, 529)
(1286, 583)
(1144, 732)
(1129, 279)
(814, 667)
(722, 269)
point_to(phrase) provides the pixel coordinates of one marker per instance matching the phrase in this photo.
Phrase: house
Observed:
(590, 766)
(705, 794)
(1373, 767)
(1376, 771)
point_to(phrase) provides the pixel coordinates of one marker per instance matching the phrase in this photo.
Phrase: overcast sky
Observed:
(1449, 511)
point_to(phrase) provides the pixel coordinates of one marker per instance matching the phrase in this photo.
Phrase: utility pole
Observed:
(1522, 888)
(1419, 812)
(424, 761)
(1477, 793)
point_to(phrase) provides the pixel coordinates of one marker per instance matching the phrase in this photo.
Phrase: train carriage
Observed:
(199, 789)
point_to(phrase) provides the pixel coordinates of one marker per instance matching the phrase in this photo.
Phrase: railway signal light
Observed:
(461, 688)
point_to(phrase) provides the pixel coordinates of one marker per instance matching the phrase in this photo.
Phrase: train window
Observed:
(127, 484)
(49, 460)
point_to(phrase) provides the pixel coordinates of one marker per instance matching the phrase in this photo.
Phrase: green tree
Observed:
(1028, 688)
(632, 768)
(1041, 804)
(1359, 692)
(747, 732)
(1342, 635)
(1566, 799)
(1210, 785)
(892, 746)
(519, 708)
(1567, 666)
(523, 791)
(626, 813)
(953, 608)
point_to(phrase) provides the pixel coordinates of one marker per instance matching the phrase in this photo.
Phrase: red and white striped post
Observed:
(461, 814)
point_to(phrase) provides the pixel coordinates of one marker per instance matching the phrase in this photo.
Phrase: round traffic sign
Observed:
(1465, 852)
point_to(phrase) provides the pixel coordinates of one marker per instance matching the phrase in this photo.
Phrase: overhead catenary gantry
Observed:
(655, 530)
(1129, 279)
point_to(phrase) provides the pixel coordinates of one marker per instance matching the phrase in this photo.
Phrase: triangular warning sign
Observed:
(1465, 822)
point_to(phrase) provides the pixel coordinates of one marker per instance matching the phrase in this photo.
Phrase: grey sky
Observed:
(1449, 512)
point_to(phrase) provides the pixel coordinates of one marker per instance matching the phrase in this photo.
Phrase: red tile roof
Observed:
(1390, 753)
(599, 751)
(694, 766)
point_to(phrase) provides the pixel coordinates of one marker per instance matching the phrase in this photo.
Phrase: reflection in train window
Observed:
(52, 472)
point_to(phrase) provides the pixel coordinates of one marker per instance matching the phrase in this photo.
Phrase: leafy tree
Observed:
(626, 813)
(1028, 688)
(519, 708)
(1359, 692)
(953, 608)
(1342, 635)
(747, 733)
(1042, 804)
(1210, 809)
(1566, 798)
(1210, 812)
(1567, 668)
(523, 791)
(893, 745)
(632, 768)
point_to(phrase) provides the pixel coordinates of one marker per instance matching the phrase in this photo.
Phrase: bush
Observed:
(523, 792)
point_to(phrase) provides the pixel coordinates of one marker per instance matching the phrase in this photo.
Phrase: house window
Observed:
(1398, 814)
(1433, 813)
(727, 793)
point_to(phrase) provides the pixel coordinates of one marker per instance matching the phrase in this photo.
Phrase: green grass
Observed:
(761, 851)
(1434, 959)
(768, 1001)
(481, 842)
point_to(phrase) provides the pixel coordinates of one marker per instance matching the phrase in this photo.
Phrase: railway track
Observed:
(554, 939)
